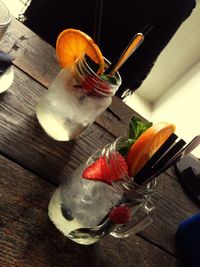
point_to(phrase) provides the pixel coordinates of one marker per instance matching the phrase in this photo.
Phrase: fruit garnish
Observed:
(147, 144)
(106, 172)
(120, 215)
(92, 82)
(89, 83)
(72, 44)
(136, 128)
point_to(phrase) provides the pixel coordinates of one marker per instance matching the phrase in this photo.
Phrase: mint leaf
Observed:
(109, 79)
(136, 128)
(124, 150)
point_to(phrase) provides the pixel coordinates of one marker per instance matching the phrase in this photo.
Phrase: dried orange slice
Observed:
(72, 44)
(147, 144)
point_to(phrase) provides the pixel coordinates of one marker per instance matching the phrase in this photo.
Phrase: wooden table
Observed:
(32, 165)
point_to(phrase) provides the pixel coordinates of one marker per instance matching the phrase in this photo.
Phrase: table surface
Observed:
(32, 165)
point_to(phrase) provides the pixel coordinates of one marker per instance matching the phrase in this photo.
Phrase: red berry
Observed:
(120, 215)
(107, 172)
(89, 83)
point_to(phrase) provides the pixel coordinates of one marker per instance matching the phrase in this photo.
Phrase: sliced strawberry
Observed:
(89, 83)
(107, 172)
(120, 215)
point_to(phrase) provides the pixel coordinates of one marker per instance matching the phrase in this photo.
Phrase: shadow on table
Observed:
(55, 250)
(61, 251)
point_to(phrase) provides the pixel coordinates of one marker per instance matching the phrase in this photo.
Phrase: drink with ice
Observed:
(82, 203)
(79, 93)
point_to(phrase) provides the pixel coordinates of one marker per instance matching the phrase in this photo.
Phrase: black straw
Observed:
(147, 28)
(162, 162)
(145, 170)
(97, 20)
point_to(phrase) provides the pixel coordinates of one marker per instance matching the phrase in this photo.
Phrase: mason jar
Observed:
(76, 97)
(79, 206)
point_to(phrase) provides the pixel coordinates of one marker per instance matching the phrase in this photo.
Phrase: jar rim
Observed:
(101, 86)
(128, 182)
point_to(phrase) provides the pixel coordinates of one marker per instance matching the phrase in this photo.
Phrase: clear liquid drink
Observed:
(79, 202)
(74, 100)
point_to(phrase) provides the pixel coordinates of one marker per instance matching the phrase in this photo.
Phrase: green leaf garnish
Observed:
(136, 128)
(109, 79)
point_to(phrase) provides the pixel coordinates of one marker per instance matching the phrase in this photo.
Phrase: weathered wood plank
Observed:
(22, 140)
(31, 53)
(38, 59)
(172, 207)
(28, 238)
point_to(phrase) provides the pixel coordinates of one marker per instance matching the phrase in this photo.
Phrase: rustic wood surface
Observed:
(28, 238)
(32, 164)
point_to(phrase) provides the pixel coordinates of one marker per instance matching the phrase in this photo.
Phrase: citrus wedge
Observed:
(147, 144)
(72, 44)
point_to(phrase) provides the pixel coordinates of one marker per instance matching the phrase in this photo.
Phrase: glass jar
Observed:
(5, 19)
(79, 206)
(76, 97)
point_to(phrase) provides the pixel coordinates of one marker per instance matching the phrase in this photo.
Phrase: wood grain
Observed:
(23, 141)
(172, 207)
(31, 53)
(28, 238)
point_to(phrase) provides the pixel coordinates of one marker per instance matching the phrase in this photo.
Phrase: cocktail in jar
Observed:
(80, 92)
(101, 197)
(80, 203)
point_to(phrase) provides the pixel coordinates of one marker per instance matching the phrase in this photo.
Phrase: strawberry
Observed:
(107, 172)
(120, 215)
(89, 83)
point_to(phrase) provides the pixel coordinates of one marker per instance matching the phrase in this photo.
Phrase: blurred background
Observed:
(171, 92)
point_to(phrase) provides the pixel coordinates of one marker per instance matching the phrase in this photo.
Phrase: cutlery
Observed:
(94, 231)
(132, 46)
(187, 149)
(105, 227)
(166, 156)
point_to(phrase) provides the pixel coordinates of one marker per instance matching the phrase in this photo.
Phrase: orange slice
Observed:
(147, 144)
(72, 44)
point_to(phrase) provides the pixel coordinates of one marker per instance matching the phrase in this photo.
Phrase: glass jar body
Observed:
(5, 19)
(81, 203)
(76, 97)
